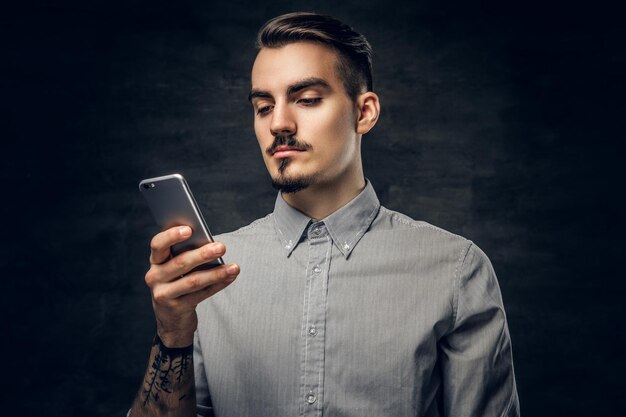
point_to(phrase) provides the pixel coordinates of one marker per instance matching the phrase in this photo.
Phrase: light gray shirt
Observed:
(364, 313)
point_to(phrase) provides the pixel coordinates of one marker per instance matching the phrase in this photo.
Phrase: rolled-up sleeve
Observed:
(476, 355)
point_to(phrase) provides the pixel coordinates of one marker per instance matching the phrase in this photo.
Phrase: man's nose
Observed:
(283, 122)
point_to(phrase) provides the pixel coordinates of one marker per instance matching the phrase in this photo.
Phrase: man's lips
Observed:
(285, 151)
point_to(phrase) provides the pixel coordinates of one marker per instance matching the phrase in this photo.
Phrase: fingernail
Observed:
(232, 269)
(185, 231)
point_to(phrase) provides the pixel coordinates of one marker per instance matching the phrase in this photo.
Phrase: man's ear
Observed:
(368, 110)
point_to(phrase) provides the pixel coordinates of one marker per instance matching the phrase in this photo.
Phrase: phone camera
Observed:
(150, 185)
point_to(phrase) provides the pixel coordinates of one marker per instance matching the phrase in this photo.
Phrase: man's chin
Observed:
(290, 185)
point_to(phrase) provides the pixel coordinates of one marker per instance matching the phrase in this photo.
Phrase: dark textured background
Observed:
(500, 122)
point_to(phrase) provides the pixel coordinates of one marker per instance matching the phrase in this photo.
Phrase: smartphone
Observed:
(172, 204)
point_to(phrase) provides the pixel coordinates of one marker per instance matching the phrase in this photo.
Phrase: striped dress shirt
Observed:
(364, 313)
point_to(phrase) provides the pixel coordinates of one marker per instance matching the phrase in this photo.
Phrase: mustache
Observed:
(287, 140)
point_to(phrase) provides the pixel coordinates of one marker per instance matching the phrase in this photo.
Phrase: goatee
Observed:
(283, 183)
(292, 185)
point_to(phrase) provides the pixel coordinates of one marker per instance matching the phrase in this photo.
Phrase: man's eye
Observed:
(309, 101)
(263, 110)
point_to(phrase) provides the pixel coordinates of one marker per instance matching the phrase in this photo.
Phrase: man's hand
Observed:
(175, 291)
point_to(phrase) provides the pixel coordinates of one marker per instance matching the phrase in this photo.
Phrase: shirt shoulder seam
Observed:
(458, 272)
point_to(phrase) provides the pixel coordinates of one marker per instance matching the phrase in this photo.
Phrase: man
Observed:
(342, 307)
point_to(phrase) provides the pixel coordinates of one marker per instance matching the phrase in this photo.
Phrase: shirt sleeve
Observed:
(203, 398)
(476, 356)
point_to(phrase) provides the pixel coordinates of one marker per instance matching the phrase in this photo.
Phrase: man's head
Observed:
(354, 53)
(311, 83)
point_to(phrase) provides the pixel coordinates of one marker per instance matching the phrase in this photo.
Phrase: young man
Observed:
(342, 307)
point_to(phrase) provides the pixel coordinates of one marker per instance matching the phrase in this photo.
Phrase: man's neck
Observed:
(321, 200)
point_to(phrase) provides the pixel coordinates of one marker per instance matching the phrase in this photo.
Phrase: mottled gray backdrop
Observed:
(500, 121)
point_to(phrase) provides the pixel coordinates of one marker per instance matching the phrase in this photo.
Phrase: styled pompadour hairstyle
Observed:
(353, 51)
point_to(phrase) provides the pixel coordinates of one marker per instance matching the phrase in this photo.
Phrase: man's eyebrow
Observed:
(293, 88)
(258, 94)
(307, 83)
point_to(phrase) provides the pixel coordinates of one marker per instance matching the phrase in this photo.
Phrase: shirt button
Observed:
(310, 398)
(312, 331)
(317, 269)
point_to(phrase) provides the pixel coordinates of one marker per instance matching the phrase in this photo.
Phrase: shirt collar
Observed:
(346, 226)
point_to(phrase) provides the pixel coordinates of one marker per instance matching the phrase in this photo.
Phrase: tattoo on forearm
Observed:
(166, 373)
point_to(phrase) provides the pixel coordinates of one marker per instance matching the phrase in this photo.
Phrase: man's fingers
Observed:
(199, 296)
(175, 292)
(161, 243)
(186, 261)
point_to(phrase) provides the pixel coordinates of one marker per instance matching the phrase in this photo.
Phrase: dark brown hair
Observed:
(353, 50)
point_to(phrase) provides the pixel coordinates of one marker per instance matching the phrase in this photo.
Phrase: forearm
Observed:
(168, 388)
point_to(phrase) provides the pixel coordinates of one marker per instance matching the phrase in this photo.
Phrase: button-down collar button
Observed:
(310, 398)
(346, 246)
(312, 331)
(317, 269)
(316, 229)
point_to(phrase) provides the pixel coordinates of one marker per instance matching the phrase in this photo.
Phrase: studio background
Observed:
(499, 122)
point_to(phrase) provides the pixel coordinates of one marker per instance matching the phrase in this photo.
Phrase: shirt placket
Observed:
(314, 320)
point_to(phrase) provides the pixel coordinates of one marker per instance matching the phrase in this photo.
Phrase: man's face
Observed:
(304, 121)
